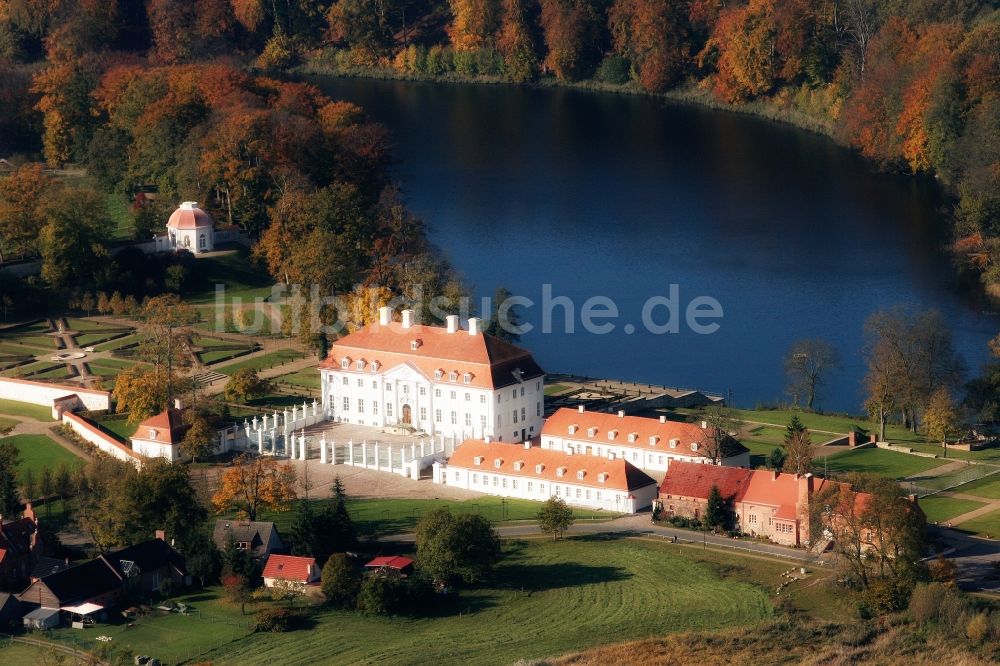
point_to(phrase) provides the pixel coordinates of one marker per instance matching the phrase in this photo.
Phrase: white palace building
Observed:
(461, 383)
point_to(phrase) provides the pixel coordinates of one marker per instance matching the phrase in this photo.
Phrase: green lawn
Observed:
(18, 654)
(940, 509)
(109, 367)
(987, 487)
(94, 339)
(40, 451)
(235, 272)
(878, 461)
(983, 455)
(171, 637)
(988, 524)
(15, 408)
(552, 389)
(263, 362)
(118, 343)
(308, 378)
(548, 598)
(118, 424)
(39, 370)
(7, 424)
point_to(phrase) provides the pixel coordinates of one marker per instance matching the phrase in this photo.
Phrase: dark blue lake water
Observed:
(616, 196)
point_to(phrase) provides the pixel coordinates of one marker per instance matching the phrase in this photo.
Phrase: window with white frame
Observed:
(437, 393)
(437, 416)
(438, 374)
(468, 397)
(361, 406)
(361, 383)
(482, 420)
(388, 410)
(453, 376)
(346, 381)
(361, 364)
(468, 420)
(515, 416)
(453, 395)
(580, 474)
(467, 378)
(347, 404)
(345, 363)
(454, 418)
(423, 390)
(482, 399)
(539, 468)
(423, 413)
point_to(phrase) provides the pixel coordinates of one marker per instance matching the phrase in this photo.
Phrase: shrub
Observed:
(887, 595)
(276, 620)
(925, 602)
(383, 594)
(942, 570)
(439, 60)
(278, 53)
(341, 581)
(977, 628)
(615, 69)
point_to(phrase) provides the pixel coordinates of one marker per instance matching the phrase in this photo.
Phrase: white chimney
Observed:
(474, 323)
(488, 439)
(580, 409)
(621, 413)
(663, 418)
(527, 445)
(177, 404)
(407, 318)
(704, 425)
(384, 315)
(452, 323)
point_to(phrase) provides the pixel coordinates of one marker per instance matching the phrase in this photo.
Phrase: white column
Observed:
(263, 423)
(246, 427)
(364, 453)
(350, 453)
(390, 456)
(422, 454)
(322, 449)
(413, 450)
(260, 442)
(274, 440)
(314, 406)
(376, 457)
(302, 446)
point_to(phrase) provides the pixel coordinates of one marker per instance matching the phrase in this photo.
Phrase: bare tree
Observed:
(721, 426)
(861, 22)
(807, 365)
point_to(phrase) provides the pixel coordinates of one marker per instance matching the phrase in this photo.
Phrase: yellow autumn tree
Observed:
(253, 485)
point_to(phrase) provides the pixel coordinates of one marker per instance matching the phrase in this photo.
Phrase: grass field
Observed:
(39, 370)
(39, 452)
(118, 424)
(15, 408)
(548, 597)
(18, 654)
(109, 367)
(988, 487)
(264, 361)
(118, 343)
(235, 272)
(552, 389)
(940, 509)
(7, 424)
(878, 461)
(393, 516)
(988, 524)
(308, 378)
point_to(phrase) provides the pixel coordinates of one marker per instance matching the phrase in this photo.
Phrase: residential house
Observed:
(649, 444)
(260, 539)
(769, 504)
(439, 380)
(93, 582)
(288, 568)
(531, 472)
(20, 549)
(11, 612)
(144, 566)
(160, 435)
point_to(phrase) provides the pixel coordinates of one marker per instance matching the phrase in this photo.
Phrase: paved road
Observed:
(641, 525)
(975, 558)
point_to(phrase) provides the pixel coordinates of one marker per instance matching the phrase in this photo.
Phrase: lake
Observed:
(622, 197)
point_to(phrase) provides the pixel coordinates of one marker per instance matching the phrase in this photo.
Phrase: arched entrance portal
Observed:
(407, 417)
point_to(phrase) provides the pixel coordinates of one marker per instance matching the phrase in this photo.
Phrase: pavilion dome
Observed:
(189, 216)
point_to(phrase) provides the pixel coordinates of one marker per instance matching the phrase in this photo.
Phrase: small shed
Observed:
(403, 565)
(42, 618)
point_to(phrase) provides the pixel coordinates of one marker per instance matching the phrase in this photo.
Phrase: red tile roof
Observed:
(620, 474)
(168, 427)
(289, 567)
(491, 362)
(391, 561)
(615, 430)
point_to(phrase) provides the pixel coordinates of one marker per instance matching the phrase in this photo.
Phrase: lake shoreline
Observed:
(689, 95)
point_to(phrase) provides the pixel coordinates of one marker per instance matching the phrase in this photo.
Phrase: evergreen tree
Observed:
(10, 498)
(237, 562)
(718, 512)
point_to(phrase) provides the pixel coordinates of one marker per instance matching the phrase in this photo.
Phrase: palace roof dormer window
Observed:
(591, 431)
(498, 463)
(539, 468)
(612, 434)
(602, 477)
(632, 436)
(438, 374)
(415, 344)
(361, 364)
(467, 378)
(478, 460)
(653, 440)
(453, 376)
(375, 366)
(345, 363)
(694, 446)
(581, 474)
(572, 429)
(560, 471)
(152, 434)
(518, 465)
(673, 443)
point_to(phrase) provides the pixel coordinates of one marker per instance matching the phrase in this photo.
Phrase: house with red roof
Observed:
(397, 563)
(649, 444)
(533, 473)
(160, 435)
(450, 381)
(292, 569)
(769, 504)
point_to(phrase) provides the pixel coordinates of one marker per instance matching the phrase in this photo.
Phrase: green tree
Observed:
(203, 558)
(454, 549)
(238, 591)
(200, 440)
(245, 385)
(10, 499)
(383, 594)
(555, 517)
(798, 447)
(718, 510)
(776, 459)
(237, 561)
(72, 239)
(47, 486)
(341, 581)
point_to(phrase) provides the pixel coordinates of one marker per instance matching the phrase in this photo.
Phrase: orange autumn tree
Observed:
(654, 35)
(569, 28)
(255, 484)
(516, 42)
(744, 40)
(474, 23)
(23, 196)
